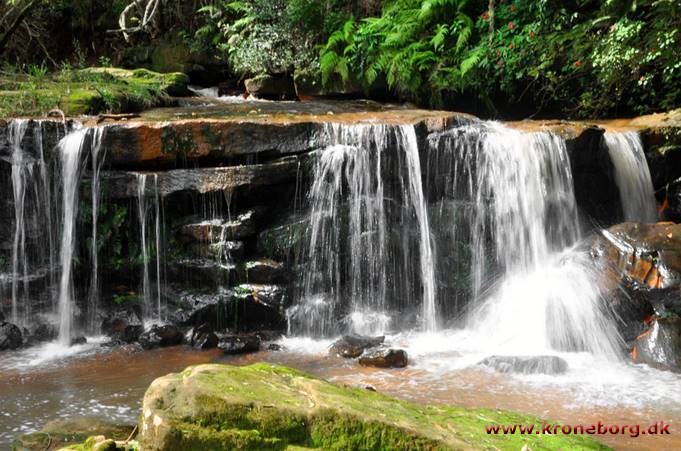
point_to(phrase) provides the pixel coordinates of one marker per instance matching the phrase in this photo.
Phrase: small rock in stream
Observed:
(10, 336)
(161, 336)
(385, 358)
(78, 341)
(239, 344)
(352, 346)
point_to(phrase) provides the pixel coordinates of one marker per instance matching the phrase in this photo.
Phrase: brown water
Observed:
(110, 384)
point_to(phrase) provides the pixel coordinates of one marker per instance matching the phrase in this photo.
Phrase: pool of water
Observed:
(45, 383)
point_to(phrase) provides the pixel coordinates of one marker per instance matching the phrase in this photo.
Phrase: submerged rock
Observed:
(385, 358)
(541, 364)
(660, 345)
(239, 344)
(71, 431)
(352, 346)
(264, 406)
(10, 336)
(161, 336)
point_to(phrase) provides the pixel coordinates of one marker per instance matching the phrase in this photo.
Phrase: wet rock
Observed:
(385, 358)
(542, 364)
(132, 333)
(283, 241)
(274, 347)
(239, 344)
(203, 337)
(10, 336)
(246, 308)
(647, 254)
(271, 87)
(44, 332)
(115, 325)
(265, 272)
(219, 250)
(161, 336)
(352, 346)
(242, 226)
(203, 272)
(78, 341)
(660, 345)
(123, 184)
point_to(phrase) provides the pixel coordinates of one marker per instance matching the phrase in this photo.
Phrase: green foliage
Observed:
(581, 58)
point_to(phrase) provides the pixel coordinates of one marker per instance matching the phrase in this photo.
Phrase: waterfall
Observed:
(70, 149)
(632, 176)
(151, 302)
(16, 132)
(97, 159)
(513, 199)
(366, 199)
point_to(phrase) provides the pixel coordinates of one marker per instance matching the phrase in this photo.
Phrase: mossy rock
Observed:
(89, 91)
(70, 431)
(265, 406)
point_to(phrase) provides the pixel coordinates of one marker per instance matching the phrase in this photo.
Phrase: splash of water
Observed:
(70, 149)
(527, 284)
(632, 176)
(366, 198)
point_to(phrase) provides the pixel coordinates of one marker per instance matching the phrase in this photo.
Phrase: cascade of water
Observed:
(97, 159)
(16, 132)
(142, 214)
(46, 204)
(632, 176)
(70, 149)
(360, 253)
(521, 227)
(151, 302)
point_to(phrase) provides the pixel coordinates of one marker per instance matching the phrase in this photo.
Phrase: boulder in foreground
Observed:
(264, 406)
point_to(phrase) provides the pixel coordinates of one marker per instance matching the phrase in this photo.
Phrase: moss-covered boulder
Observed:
(264, 406)
(88, 91)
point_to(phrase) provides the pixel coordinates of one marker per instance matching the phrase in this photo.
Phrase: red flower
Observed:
(511, 25)
(531, 34)
(510, 46)
(499, 62)
(512, 7)
(578, 64)
(485, 15)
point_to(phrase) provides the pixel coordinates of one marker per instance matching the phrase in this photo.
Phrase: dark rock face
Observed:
(543, 364)
(44, 332)
(78, 341)
(203, 337)
(161, 336)
(385, 358)
(239, 344)
(593, 174)
(132, 333)
(10, 336)
(271, 87)
(265, 272)
(660, 345)
(352, 346)
(123, 325)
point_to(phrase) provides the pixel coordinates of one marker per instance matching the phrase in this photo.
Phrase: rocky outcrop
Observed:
(161, 336)
(271, 87)
(263, 406)
(543, 364)
(10, 336)
(660, 344)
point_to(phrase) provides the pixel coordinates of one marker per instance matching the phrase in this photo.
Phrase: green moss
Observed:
(89, 91)
(265, 406)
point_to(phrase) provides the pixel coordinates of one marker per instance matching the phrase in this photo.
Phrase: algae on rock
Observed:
(265, 406)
